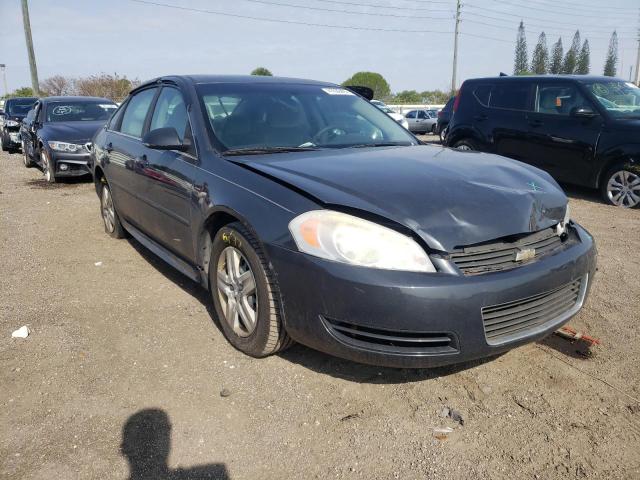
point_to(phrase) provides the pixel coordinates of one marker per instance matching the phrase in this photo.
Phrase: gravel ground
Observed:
(125, 373)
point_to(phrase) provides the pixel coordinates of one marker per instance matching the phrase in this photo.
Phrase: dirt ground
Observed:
(125, 373)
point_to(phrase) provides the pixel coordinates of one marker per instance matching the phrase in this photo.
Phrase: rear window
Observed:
(512, 96)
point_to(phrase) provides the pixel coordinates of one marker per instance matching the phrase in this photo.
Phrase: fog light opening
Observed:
(63, 167)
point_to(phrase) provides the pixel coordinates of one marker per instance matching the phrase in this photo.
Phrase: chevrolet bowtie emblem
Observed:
(525, 254)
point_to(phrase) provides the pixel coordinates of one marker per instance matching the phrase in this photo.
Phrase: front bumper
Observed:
(70, 164)
(323, 300)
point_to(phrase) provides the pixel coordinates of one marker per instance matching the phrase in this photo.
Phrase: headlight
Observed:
(65, 147)
(12, 123)
(561, 228)
(343, 238)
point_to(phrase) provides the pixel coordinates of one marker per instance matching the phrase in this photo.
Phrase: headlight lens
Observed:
(344, 238)
(65, 147)
(12, 123)
(561, 228)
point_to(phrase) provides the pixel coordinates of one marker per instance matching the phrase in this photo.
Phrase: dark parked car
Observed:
(15, 109)
(57, 132)
(581, 129)
(313, 216)
(444, 116)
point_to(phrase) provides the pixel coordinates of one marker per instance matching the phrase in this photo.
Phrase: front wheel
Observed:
(245, 293)
(621, 187)
(3, 147)
(47, 168)
(26, 158)
(465, 145)
(110, 218)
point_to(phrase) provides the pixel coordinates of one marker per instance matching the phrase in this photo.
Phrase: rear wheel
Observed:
(621, 187)
(2, 145)
(443, 134)
(245, 293)
(112, 225)
(465, 144)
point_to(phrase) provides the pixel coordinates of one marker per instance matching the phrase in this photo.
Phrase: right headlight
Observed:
(344, 238)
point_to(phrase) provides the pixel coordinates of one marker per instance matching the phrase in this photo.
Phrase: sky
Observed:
(410, 42)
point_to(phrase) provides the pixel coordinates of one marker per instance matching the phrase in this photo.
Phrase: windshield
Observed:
(620, 99)
(79, 111)
(289, 116)
(19, 106)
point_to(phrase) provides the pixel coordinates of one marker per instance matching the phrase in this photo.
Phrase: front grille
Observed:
(520, 318)
(392, 341)
(503, 255)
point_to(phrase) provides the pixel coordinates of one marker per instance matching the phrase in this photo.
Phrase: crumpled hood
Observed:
(74, 132)
(447, 197)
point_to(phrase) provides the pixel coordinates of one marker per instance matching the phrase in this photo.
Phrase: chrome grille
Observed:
(520, 318)
(497, 256)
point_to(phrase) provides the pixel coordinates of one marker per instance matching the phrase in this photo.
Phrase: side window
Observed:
(512, 96)
(136, 112)
(559, 99)
(422, 115)
(482, 94)
(411, 114)
(170, 111)
(115, 118)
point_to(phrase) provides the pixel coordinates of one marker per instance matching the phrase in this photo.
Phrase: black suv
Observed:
(582, 129)
(15, 109)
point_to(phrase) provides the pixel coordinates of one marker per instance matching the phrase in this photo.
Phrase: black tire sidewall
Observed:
(465, 141)
(255, 343)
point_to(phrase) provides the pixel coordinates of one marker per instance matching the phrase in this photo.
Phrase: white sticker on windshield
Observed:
(337, 91)
(107, 105)
(62, 110)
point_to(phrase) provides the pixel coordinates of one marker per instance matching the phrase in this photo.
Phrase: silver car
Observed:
(421, 121)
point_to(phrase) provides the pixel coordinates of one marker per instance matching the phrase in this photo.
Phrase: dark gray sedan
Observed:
(312, 216)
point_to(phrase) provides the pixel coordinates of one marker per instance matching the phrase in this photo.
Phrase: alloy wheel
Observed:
(108, 212)
(623, 189)
(25, 159)
(237, 291)
(464, 147)
(45, 167)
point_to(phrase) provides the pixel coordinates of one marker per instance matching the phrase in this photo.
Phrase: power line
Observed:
(289, 22)
(572, 5)
(547, 10)
(349, 12)
(377, 5)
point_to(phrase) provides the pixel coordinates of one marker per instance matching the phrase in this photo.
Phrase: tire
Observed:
(249, 309)
(466, 144)
(620, 187)
(442, 134)
(433, 128)
(2, 145)
(110, 218)
(49, 173)
(28, 162)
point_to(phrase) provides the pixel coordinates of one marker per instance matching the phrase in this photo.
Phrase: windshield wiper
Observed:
(386, 144)
(266, 150)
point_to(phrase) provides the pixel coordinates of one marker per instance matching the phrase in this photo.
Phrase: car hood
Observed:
(71, 131)
(447, 197)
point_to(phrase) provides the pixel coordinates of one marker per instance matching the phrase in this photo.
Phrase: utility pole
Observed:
(638, 61)
(32, 57)
(455, 49)
(3, 67)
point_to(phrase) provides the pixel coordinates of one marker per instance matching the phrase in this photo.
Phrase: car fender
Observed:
(627, 155)
(464, 131)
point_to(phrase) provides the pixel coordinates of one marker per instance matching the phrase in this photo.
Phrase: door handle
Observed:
(109, 147)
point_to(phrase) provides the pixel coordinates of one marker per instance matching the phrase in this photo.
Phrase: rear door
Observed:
(560, 142)
(411, 119)
(422, 121)
(169, 175)
(506, 118)
(125, 156)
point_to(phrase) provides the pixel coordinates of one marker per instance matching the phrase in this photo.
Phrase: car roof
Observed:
(239, 79)
(77, 98)
(522, 78)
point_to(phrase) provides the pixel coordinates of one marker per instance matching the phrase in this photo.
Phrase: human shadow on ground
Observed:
(146, 444)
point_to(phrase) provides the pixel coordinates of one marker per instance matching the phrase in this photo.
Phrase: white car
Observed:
(396, 116)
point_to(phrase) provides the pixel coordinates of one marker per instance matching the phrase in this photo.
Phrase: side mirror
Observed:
(584, 112)
(165, 138)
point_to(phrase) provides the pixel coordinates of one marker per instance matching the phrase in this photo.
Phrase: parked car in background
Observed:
(581, 129)
(15, 109)
(393, 114)
(57, 132)
(444, 116)
(387, 251)
(421, 121)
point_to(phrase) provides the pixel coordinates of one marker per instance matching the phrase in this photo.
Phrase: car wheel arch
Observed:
(625, 160)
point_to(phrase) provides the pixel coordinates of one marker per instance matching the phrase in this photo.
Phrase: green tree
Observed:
(408, 97)
(584, 59)
(571, 58)
(435, 97)
(20, 92)
(540, 59)
(521, 64)
(262, 72)
(556, 57)
(373, 80)
(611, 64)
